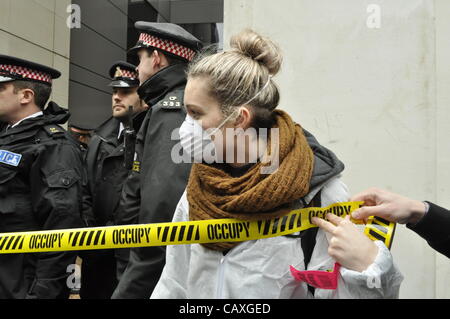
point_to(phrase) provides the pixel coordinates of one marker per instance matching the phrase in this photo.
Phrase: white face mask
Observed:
(197, 142)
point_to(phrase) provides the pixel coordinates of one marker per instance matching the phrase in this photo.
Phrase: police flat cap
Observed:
(80, 129)
(15, 69)
(169, 38)
(123, 75)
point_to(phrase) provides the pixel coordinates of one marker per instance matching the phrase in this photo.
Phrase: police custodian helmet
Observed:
(123, 75)
(169, 38)
(15, 69)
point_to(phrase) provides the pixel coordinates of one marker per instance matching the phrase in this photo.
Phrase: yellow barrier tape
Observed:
(378, 228)
(183, 233)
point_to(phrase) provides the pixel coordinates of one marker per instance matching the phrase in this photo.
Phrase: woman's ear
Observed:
(244, 120)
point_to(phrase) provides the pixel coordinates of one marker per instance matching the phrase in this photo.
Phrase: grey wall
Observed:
(100, 42)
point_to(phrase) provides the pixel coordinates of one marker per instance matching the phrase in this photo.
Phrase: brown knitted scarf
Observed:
(214, 194)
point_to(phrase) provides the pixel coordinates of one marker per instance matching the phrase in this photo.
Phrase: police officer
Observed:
(82, 135)
(156, 184)
(40, 179)
(106, 175)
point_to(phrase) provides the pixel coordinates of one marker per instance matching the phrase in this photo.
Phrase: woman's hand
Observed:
(348, 246)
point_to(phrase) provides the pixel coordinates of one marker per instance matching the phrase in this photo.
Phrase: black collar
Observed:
(109, 131)
(53, 114)
(159, 85)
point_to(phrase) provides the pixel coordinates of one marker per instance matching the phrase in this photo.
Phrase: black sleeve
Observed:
(130, 200)
(434, 227)
(87, 211)
(56, 182)
(89, 175)
(163, 185)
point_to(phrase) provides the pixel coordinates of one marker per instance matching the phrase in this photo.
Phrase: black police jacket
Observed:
(157, 183)
(40, 189)
(106, 173)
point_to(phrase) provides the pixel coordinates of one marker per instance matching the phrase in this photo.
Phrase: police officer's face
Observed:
(9, 101)
(122, 99)
(146, 68)
(150, 63)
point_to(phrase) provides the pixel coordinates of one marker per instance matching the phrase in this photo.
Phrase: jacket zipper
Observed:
(220, 278)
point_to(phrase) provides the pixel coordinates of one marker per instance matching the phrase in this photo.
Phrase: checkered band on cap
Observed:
(26, 73)
(167, 45)
(128, 74)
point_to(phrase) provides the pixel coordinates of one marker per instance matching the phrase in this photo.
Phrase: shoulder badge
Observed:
(54, 130)
(172, 102)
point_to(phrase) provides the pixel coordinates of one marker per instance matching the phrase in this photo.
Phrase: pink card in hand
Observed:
(318, 279)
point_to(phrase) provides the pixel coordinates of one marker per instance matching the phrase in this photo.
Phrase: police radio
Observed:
(129, 141)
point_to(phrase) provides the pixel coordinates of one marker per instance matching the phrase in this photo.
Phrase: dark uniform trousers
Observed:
(40, 189)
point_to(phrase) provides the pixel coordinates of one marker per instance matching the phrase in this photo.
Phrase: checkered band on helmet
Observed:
(129, 74)
(26, 73)
(167, 45)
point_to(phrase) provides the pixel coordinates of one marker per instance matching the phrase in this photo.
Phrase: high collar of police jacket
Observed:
(53, 115)
(163, 82)
(109, 131)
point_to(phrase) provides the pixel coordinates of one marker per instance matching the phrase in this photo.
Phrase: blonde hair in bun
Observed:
(239, 74)
(258, 48)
